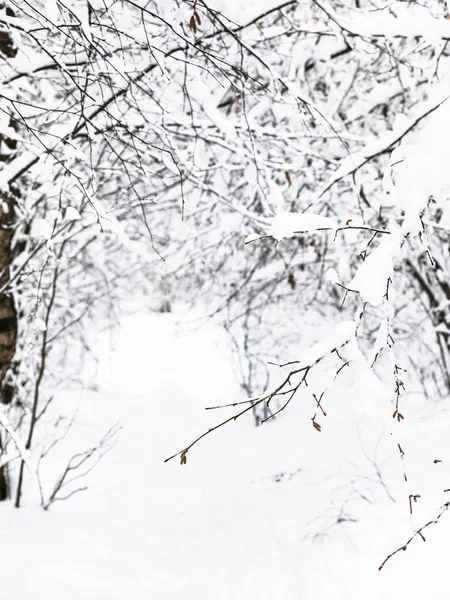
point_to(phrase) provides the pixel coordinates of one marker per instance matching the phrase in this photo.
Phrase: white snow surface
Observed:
(276, 512)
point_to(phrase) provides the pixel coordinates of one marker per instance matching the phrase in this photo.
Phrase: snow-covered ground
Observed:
(276, 512)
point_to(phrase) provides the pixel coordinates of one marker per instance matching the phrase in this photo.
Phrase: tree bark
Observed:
(8, 315)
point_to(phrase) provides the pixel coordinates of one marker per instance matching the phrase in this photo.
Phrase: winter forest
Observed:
(224, 299)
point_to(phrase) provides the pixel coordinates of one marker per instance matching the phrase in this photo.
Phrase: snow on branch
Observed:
(386, 24)
(288, 224)
(355, 161)
(374, 275)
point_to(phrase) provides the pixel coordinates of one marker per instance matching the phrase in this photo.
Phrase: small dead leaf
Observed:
(197, 17)
(288, 177)
(317, 426)
(348, 222)
(193, 24)
(183, 458)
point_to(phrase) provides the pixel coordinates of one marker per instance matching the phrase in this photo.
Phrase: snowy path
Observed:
(237, 522)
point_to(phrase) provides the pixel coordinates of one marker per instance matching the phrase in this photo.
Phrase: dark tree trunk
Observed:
(8, 316)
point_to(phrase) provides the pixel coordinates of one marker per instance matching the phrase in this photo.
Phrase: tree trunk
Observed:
(8, 316)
